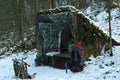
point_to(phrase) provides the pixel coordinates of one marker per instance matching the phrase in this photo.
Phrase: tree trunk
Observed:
(36, 28)
(21, 24)
(110, 33)
(53, 4)
(16, 19)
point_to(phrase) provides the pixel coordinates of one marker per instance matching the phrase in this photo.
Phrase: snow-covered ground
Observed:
(101, 68)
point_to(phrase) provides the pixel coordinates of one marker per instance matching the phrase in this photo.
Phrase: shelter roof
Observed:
(72, 9)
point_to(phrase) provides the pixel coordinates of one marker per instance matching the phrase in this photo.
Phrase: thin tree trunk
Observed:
(16, 18)
(21, 24)
(110, 33)
(26, 14)
(53, 4)
(37, 25)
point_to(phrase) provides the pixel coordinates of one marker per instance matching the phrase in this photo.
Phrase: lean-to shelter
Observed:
(63, 24)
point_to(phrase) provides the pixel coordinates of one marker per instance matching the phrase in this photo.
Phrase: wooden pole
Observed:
(36, 22)
(110, 32)
(75, 25)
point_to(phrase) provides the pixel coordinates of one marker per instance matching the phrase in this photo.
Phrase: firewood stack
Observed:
(20, 68)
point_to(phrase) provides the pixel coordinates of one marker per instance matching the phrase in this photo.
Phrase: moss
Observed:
(91, 51)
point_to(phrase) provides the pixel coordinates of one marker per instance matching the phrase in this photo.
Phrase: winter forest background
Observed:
(17, 19)
(17, 35)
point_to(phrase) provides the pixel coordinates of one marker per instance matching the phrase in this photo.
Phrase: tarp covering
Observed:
(51, 29)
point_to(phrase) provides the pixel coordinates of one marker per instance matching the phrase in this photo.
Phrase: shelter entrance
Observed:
(66, 37)
(54, 38)
(55, 31)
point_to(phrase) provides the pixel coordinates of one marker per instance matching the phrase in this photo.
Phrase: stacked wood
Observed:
(20, 69)
(60, 60)
(57, 61)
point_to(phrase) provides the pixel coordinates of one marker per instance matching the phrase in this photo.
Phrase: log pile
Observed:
(20, 68)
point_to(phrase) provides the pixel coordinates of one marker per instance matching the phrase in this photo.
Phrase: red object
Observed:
(82, 51)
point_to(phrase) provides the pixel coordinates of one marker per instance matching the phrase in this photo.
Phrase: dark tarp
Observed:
(55, 32)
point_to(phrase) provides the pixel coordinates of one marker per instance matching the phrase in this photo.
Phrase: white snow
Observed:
(101, 68)
(102, 20)
(52, 53)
